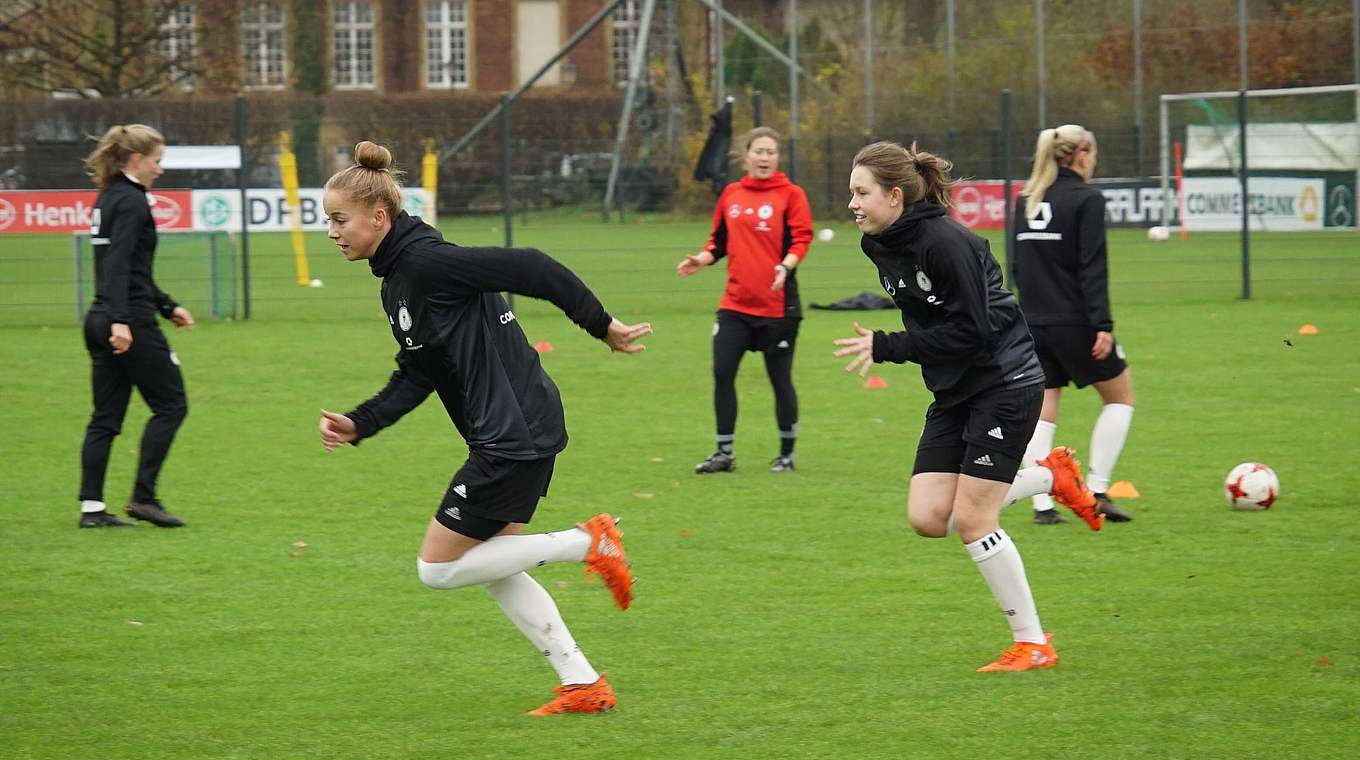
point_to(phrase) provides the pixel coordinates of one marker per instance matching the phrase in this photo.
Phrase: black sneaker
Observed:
(716, 462)
(1047, 517)
(1111, 512)
(152, 512)
(782, 464)
(101, 519)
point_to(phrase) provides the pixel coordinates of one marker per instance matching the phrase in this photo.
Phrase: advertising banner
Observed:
(71, 210)
(1274, 203)
(981, 204)
(268, 210)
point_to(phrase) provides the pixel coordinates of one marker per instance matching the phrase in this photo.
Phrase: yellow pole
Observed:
(429, 177)
(288, 169)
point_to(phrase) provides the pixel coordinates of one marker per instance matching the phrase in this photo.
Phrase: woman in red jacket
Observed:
(762, 225)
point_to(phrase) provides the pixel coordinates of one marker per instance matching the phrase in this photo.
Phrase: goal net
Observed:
(1301, 162)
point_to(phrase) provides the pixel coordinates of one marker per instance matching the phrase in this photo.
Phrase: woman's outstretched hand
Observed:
(861, 347)
(693, 263)
(621, 336)
(336, 430)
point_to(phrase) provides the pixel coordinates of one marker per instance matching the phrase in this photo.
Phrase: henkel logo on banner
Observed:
(70, 210)
(981, 204)
(221, 209)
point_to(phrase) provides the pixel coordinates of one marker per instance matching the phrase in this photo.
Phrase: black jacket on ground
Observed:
(963, 328)
(1061, 264)
(459, 338)
(124, 237)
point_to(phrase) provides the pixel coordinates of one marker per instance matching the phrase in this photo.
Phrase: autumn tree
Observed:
(96, 48)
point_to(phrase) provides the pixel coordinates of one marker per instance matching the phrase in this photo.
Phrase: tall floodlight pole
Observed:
(869, 67)
(1355, 46)
(1039, 58)
(949, 56)
(637, 58)
(1138, 85)
(793, 91)
(719, 75)
(1242, 44)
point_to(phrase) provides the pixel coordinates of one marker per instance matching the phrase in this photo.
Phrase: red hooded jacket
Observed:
(756, 223)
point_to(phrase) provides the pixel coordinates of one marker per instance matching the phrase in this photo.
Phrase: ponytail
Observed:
(116, 147)
(920, 175)
(1055, 147)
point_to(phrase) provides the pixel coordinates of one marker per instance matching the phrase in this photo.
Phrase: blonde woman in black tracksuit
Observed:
(978, 360)
(1062, 273)
(126, 346)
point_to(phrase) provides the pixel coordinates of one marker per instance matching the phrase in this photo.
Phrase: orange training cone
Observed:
(1308, 330)
(875, 381)
(544, 347)
(1122, 489)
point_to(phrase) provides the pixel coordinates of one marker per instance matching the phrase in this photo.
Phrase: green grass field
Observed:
(777, 616)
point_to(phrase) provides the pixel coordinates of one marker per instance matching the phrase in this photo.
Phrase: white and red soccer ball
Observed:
(1251, 485)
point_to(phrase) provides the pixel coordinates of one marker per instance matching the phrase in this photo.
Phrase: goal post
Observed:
(1285, 159)
(198, 269)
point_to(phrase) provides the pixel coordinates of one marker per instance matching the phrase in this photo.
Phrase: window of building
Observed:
(262, 32)
(626, 24)
(177, 43)
(353, 48)
(446, 44)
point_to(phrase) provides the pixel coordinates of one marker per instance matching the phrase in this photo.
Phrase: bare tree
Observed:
(95, 48)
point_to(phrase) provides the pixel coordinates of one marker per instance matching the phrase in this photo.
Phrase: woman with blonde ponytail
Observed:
(457, 338)
(976, 356)
(126, 346)
(1062, 272)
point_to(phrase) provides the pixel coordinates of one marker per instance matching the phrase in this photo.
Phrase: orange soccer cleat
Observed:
(579, 698)
(607, 558)
(1024, 655)
(1069, 489)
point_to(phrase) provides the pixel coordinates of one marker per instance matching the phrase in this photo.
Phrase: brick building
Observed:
(383, 46)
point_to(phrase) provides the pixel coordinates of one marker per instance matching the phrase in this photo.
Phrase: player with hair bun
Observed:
(458, 338)
(978, 360)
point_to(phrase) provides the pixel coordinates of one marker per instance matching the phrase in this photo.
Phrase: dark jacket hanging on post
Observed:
(713, 160)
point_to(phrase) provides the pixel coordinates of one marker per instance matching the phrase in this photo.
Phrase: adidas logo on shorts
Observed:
(461, 490)
(996, 433)
(985, 460)
(453, 512)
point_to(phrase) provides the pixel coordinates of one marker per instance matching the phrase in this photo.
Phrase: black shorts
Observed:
(737, 330)
(984, 436)
(1065, 353)
(488, 493)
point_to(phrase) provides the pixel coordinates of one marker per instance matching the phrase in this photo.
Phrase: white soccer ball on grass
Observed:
(826, 235)
(1251, 486)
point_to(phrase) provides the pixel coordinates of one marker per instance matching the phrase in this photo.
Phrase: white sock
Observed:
(1107, 440)
(999, 561)
(535, 614)
(1039, 446)
(1030, 481)
(89, 505)
(502, 556)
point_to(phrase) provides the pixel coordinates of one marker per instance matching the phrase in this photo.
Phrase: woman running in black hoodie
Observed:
(977, 358)
(458, 338)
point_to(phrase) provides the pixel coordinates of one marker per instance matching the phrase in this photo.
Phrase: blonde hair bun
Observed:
(370, 155)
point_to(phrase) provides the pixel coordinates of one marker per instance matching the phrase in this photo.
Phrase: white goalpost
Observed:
(1301, 149)
(1242, 130)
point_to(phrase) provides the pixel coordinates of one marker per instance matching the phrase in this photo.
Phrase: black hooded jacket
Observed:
(459, 339)
(1061, 267)
(963, 328)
